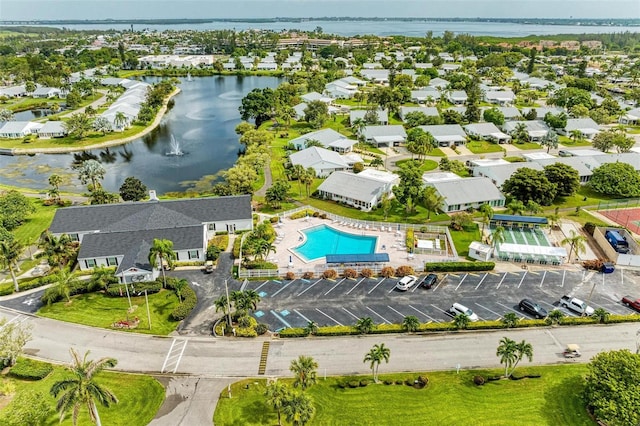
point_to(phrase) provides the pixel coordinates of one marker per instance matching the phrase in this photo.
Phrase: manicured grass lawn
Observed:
(462, 239)
(527, 145)
(98, 310)
(578, 199)
(425, 166)
(449, 399)
(35, 224)
(567, 141)
(483, 147)
(71, 141)
(139, 398)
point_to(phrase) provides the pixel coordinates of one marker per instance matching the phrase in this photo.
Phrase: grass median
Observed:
(100, 310)
(448, 399)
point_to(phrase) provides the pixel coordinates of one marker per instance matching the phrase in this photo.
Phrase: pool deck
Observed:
(289, 236)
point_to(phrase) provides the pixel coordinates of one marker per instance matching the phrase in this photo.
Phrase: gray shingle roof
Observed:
(468, 190)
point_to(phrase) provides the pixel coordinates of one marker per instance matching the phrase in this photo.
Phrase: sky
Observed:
(157, 9)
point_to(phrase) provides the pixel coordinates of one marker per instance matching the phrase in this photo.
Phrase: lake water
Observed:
(380, 28)
(202, 120)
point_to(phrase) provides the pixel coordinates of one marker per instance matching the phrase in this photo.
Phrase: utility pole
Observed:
(146, 298)
(226, 289)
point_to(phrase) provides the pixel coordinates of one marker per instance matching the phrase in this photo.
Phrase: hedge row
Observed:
(118, 290)
(30, 369)
(189, 300)
(27, 284)
(52, 295)
(458, 266)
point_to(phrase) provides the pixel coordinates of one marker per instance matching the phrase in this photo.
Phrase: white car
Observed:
(458, 309)
(407, 282)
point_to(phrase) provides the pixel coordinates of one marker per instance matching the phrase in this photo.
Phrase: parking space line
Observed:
(309, 288)
(337, 322)
(493, 312)
(418, 284)
(542, 280)
(337, 284)
(622, 276)
(522, 279)
(442, 280)
(282, 288)
(380, 316)
(563, 275)
(425, 315)
(275, 314)
(260, 286)
(302, 316)
(561, 309)
(350, 313)
(460, 283)
(444, 312)
(394, 310)
(354, 287)
(500, 283)
(481, 280)
(376, 286)
(511, 309)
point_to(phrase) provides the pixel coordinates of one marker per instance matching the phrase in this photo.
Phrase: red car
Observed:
(631, 302)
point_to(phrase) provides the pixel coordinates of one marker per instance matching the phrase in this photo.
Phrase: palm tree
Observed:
(487, 214)
(102, 278)
(55, 181)
(432, 201)
(523, 349)
(10, 251)
(298, 408)
(307, 178)
(411, 323)
(358, 126)
(66, 280)
(497, 236)
(221, 304)
(178, 286)
(91, 171)
(297, 171)
(252, 298)
(576, 135)
(304, 369)
(365, 325)
(461, 321)
(160, 252)
(601, 315)
(375, 356)
(120, 120)
(277, 394)
(516, 207)
(507, 353)
(510, 320)
(57, 249)
(311, 328)
(576, 243)
(82, 388)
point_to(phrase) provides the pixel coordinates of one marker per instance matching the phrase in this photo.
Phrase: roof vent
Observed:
(153, 196)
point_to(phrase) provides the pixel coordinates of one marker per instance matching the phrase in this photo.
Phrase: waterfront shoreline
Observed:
(115, 142)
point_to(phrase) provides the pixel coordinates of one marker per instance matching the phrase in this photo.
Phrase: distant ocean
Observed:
(380, 28)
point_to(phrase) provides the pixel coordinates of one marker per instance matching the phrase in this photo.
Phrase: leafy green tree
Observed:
(550, 140)
(516, 207)
(78, 125)
(255, 137)
(13, 337)
(243, 127)
(603, 141)
(420, 142)
(82, 388)
(565, 177)
(305, 371)
(569, 97)
(100, 196)
(161, 252)
(375, 356)
(461, 321)
(277, 193)
(277, 394)
(623, 143)
(493, 115)
(576, 243)
(415, 119)
(408, 191)
(411, 323)
(528, 184)
(316, 114)
(554, 121)
(6, 115)
(132, 189)
(258, 105)
(73, 99)
(510, 320)
(240, 179)
(91, 171)
(616, 179)
(28, 408)
(612, 387)
(432, 201)
(298, 408)
(365, 325)
(451, 116)
(14, 209)
(10, 251)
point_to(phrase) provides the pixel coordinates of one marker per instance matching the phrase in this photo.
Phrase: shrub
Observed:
(388, 382)
(399, 382)
(307, 275)
(350, 273)
(244, 321)
(478, 380)
(458, 266)
(366, 273)
(329, 274)
(354, 384)
(261, 329)
(364, 383)
(274, 219)
(593, 264)
(119, 290)
(410, 241)
(213, 252)
(301, 214)
(189, 301)
(404, 270)
(30, 369)
(589, 227)
(293, 332)
(290, 276)
(387, 271)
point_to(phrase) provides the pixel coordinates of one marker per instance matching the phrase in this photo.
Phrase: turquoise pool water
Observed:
(322, 240)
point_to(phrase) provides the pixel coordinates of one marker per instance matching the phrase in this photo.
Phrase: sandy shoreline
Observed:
(115, 142)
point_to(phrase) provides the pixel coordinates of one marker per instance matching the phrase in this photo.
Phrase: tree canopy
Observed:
(257, 105)
(565, 177)
(132, 189)
(14, 209)
(528, 184)
(616, 179)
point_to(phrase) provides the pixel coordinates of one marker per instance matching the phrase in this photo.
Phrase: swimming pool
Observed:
(322, 240)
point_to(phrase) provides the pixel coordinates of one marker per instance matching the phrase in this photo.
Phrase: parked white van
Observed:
(457, 309)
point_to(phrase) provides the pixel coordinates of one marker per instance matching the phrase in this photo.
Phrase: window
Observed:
(74, 237)
(90, 263)
(212, 227)
(112, 261)
(193, 254)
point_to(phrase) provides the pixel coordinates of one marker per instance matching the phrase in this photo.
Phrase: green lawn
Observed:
(584, 197)
(483, 147)
(35, 224)
(71, 141)
(449, 399)
(139, 397)
(425, 166)
(527, 145)
(98, 310)
(462, 239)
(567, 141)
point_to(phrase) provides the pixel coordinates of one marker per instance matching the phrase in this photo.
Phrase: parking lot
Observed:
(489, 295)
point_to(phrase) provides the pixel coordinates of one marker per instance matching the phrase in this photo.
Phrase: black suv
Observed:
(429, 281)
(532, 308)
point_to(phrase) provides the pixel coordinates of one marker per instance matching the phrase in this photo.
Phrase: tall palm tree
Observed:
(65, 281)
(120, 120)
(411, 323)
(375, 356)
(575, 135)
(305, 371)
(487, 213)
(221, 304)
(307, 178)
(298, 408)
(507, 353)
(82, 388)
(10, 251)
(576, 243)
(497, 236)
(432, 201)
(57, 249)
(55, 181)
(162, 251)
(277, 394)
(297, 171)
(365, 325)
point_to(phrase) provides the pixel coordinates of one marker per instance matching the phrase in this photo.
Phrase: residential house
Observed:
(363, 190)
(584, 165)
(315, 96)
(432, 177)
(536, 129)
(426, 95)
(542, 111)
(427, 111)
(52, 129)
(509, 113)
(457, 97)
(586, 126)
(329, 139)
(487, 131)
(339, 89)
(462, 194)
(438, 83)
(46, 92)
(18, 129)
(447, 135)
(323, 161)
(498, 174)
(375, 75)
(14, 91)
(631, 117)
(500, 97)
(121, 235)
(392, 135)
(381, 114)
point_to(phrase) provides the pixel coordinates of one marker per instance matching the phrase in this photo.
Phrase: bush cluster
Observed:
(387, 272)
(303, 213)
(404, 270)
(366, 273)
(30, 369)
(350, 273)
(51, 295)
(118, 290)
(329, 274)
(189, 300)
(459, 266)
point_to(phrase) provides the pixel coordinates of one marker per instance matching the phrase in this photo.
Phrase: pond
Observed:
(201, 122)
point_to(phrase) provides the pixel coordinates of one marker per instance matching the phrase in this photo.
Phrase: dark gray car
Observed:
(532, 308)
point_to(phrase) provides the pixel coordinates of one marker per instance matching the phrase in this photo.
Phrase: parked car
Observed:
(532, 308)
(407, 282)
(429, 281)
(631, 302)
(576, 305)
(458, 309)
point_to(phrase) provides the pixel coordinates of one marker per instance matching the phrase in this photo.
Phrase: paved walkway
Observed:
(268, 179)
